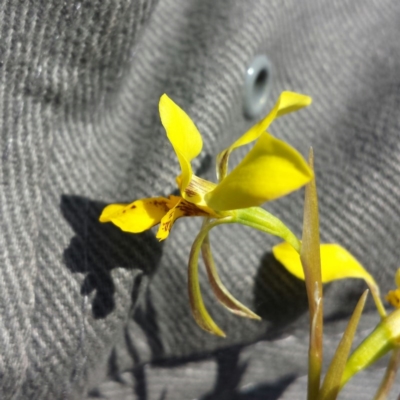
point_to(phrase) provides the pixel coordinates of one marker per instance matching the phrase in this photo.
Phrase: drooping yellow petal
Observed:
(288, 102)
(183, 135)
(179, 207)
(336, 263)
(137, 216)
(168, 221)
(270, 170)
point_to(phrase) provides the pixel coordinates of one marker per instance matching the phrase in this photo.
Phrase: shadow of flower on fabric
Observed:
(96, 249)
(230, 371)
(279, 297)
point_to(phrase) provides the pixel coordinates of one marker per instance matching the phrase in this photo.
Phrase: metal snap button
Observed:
(257, 84)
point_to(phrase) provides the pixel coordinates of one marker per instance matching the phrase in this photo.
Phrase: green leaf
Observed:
(384, 338)
(331, 386)
(311, 260)
(389, 377)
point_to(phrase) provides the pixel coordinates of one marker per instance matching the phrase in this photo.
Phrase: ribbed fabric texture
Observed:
(87, 311)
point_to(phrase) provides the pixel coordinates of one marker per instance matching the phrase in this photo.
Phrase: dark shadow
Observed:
(96, 249)
(229, 374)
(228, 377)
(266, 391)
(344, 305)
(146, 317)
(163, 394)
(279, 297)
(138, 371)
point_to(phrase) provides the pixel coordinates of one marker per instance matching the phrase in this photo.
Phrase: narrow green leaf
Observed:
(331, 386)
(390, 375)
(311, 261)
(384, 338)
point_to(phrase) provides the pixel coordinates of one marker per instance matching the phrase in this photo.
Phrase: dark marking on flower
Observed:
(132, 207)
(190, 192)
(223, 159)
(160, 204)
(189, 209)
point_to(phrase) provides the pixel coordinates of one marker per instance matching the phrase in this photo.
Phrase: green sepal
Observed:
(258, 218)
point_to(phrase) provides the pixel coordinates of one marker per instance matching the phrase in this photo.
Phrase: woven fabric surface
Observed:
(87, 311)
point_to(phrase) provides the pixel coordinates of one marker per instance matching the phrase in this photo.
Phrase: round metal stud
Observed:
(257, 84)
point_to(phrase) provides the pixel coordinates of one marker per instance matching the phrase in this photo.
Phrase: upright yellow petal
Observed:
(183, 135)
(137, 216)
(336, 263)
(288, 102)
(270, 170)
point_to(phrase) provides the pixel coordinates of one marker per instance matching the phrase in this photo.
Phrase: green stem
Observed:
(262, 220)
(385, 337)
(390, 374)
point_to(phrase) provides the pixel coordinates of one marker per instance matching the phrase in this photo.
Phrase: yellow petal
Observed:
(288, 102)
(178, 208)
(167, 222)
(183, 135)
(196, 190)
(270, 170)
(137, 216)
(336, 263)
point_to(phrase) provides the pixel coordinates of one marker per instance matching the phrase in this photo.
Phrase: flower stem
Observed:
(390, 374)
(262, 220)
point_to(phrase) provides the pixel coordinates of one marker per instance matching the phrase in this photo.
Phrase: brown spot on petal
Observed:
(223, 159)
(190, 192)
(190, 209)
(160, 204)
(132, 207)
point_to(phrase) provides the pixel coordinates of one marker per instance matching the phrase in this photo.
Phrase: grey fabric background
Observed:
(89, 312)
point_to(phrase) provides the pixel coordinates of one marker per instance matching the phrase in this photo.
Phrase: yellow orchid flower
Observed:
(271, 169)
(271, 160)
